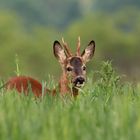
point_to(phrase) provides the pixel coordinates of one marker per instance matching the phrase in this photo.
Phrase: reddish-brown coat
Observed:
(25, 84)
(70, 81)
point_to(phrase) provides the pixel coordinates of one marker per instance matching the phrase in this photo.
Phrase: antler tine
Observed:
(66, 47)
(78, 47)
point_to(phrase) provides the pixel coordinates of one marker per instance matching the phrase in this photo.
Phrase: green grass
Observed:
(106, 109)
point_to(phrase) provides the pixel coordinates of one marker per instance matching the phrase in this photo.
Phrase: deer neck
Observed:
(65, 86)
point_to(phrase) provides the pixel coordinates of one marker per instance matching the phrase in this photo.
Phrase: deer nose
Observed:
(79, 80)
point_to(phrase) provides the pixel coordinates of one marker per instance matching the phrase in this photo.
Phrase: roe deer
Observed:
(73, 66)
(73, 71)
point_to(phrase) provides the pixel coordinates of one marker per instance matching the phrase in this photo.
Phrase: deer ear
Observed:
(59, 52)
(88, 52)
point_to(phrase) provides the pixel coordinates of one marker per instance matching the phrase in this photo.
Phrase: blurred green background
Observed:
(28, 29)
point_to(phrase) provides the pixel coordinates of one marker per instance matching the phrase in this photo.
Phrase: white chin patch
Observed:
(79, 85)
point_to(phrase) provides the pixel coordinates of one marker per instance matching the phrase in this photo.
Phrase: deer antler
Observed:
(78, 47)
(66, 48)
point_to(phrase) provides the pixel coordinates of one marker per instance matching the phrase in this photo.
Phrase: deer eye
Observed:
(84, 67)
(69, 69)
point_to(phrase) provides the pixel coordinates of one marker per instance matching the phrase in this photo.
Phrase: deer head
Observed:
(73, 66)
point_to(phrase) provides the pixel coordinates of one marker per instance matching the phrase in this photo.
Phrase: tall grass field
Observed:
(106, 109)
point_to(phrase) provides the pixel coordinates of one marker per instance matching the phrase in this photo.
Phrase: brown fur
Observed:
(73, 72)
(73, 66)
